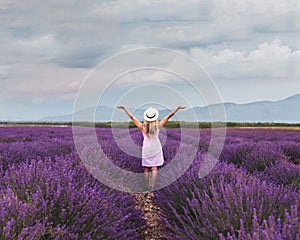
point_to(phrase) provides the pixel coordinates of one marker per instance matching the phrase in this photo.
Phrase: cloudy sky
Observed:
(49, 49)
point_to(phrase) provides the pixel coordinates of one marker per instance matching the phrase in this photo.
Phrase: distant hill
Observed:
(285, 110)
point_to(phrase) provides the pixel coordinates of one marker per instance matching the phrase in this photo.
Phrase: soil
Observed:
(154, 228)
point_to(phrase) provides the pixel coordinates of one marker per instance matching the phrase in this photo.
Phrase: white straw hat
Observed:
(151, 114)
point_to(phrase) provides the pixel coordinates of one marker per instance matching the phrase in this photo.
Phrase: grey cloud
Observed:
(84, 32)
(84, 57)
(73, 25)
(157, 11)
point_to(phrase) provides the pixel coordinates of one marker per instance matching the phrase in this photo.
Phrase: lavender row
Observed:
(252, 193)
(225, 202)
(47, 193)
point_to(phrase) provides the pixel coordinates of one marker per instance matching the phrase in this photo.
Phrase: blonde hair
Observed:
(151, 127)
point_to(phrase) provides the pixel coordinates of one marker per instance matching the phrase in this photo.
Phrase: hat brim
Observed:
(153, 118)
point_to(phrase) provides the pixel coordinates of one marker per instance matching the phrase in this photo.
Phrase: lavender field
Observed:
(252, 192)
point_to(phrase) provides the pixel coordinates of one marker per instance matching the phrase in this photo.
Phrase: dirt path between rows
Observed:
(154, 227)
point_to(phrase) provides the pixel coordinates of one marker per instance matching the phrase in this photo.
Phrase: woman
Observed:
(152, 155)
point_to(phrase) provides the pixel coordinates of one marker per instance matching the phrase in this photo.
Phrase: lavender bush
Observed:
(271, 228)
(292, 150)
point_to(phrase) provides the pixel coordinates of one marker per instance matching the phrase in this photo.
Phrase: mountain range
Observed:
(285, 110)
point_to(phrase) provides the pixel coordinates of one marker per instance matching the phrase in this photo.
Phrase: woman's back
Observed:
(152, 149)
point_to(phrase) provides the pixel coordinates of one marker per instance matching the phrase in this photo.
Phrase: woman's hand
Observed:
(135, 121)
(166, 118)
(122, 107)
(180, 107)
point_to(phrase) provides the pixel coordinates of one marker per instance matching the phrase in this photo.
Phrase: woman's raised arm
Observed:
(166, 118)
(135, 121)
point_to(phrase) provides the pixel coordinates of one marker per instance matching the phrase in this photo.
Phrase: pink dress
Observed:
(152, 154)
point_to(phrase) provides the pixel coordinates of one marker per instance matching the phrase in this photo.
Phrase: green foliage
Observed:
(170, 124)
